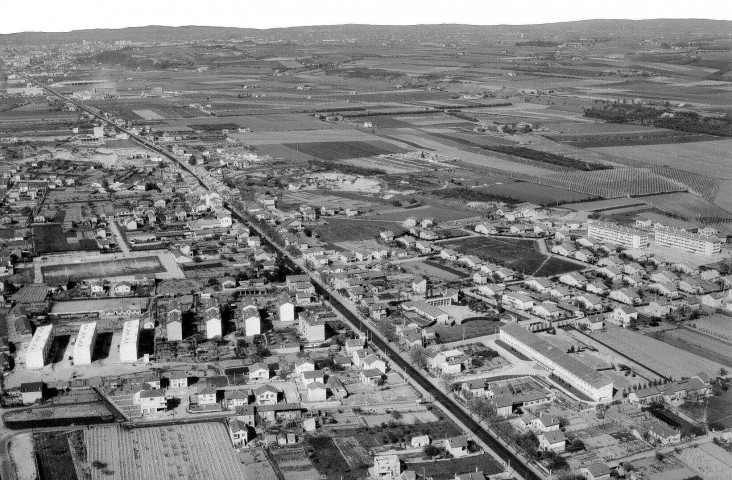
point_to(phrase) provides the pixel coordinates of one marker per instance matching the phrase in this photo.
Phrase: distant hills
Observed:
(671, 28)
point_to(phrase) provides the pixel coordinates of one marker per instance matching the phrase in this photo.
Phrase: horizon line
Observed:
(155, 25)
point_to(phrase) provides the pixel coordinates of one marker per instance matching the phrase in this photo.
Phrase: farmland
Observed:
(699, 344)
(518, 254)
(102, 269)
(200, 450)
(667, 360)
(432, 270)
(331, 151)
(689, 206)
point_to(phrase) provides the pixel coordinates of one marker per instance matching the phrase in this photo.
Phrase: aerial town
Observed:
(387, 253)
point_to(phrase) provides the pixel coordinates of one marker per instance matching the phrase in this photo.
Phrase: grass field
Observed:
(103, 269)
(342, 230)
(469, 329)
(518, 254)
(431, 270)
(331, 151)
(534, 193)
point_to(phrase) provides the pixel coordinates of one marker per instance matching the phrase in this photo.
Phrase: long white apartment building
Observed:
(129, 342)
(40, 344)
(85, 341)
(618, 234)
(581, 376)
(687, 241)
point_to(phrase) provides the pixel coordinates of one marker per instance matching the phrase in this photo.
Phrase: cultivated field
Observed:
(201, 450)
(56, 274)
(711, 461)
(717, 325)
(704, 158)
(431, 270)
(302, 137)
(344, 150)
(294, 464)
(689, 206)
(665, 359)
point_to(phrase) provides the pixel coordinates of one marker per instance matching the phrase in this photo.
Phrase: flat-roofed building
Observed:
(128, 344)
(618, 234)
(85, 341)
(40, 344)
(581, 376)
(687, 241)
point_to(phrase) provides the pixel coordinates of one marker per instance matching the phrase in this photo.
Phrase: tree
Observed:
(723, 372)
(418, 356)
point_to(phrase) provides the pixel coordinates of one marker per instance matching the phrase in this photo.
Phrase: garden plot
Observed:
(21, 454)
(294, 464)
(665, 359)
(201, 450)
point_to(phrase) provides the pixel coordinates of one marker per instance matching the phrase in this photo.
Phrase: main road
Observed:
(519, 466)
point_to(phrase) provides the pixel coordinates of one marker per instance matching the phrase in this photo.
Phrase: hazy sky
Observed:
(64, 15)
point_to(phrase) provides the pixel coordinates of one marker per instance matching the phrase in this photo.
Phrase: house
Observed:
(151, 401)
(623, 316)
(245, 413)
(517, 300)
(658, 308)
(448, 361)
(373, 362)
(386, 467)
(304, 365)
(371, 377)
(235, 398)
(545, 423)
(259, 372)
(31, 392)
(266, 395)
(538, 284)
(457, 446)
(354, 344)
(553, 440)
(317, 391)
(239, 432)
(626, 296)
(597, 287)
(589, 301)
(596, 471)
(207, 396)
(311, 376)
(573, 279)
(178, 380)
(420, 441)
